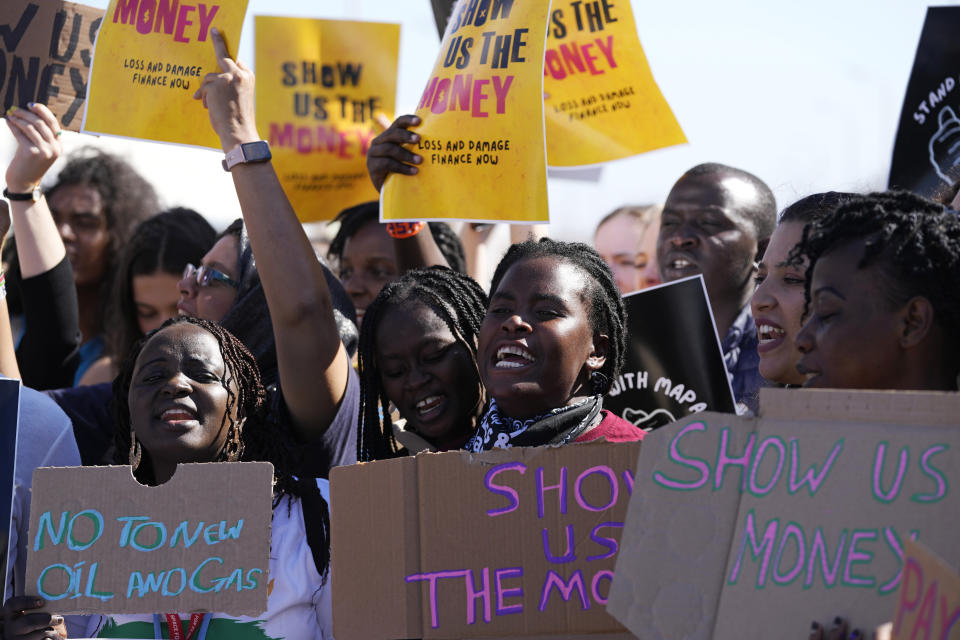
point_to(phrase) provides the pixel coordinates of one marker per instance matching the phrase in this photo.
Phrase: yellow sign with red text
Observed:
(150, 58)
(600, 100)
(482, 134)
(319, 85)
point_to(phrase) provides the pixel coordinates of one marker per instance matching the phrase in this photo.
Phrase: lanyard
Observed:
(197, 621)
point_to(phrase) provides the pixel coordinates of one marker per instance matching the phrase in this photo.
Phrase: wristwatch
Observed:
(31, 196)
(258, 151)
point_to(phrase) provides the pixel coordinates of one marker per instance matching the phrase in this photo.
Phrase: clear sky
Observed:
(807, 95)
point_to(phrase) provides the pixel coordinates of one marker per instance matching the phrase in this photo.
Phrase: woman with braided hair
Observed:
(551, 342)
(418, 351)
(191, 392)
(882, 295)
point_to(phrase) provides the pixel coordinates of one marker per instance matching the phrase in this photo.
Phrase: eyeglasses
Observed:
(208, 276)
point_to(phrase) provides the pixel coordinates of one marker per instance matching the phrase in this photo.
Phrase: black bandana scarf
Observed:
(559, 426)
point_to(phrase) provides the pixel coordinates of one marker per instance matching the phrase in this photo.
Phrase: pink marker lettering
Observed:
(564, 588)
(855, 556)
(811, 477)
(570, 554)
(432, 578)
(819, 548)
(935, 474)
(502, 593)
(750, 536)
(678, 458)
(483, 593)
(595, 584)
(781, 456)
(610, 543)
(878, 464)
(603, 470)
(502, 490)
(742, 461)
(791, 530)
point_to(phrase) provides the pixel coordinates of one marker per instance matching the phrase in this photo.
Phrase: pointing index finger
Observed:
(220, 50)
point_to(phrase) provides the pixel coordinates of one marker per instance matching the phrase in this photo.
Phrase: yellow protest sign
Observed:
(928, 602)
(319, 85)
(482, 135)
(600, 100)
(150, 58)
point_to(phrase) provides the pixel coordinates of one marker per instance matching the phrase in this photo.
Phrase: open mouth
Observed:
(179, 417)
(430, 406)
(513, 357)
(770, 333)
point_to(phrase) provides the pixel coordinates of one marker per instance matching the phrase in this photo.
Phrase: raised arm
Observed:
(48, 351)
(8, 357)
(312, 362)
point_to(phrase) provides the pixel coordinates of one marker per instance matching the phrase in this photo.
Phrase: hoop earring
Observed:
(598, 382)
(135, 451)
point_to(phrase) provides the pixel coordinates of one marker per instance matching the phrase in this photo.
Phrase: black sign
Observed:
(9, 409)
(927, 151)
(674, 364)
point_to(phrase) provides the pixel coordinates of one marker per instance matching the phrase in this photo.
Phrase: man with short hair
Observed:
(716, 221)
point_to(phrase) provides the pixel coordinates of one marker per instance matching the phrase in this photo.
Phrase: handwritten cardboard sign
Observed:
(799, 514)
(600, 100)
(9, 411)
(102, 543)
(505, 543)
(482, 136)
(674, 363)
(45, 52)
(151, 57)
(928, 606)
(926, 154)
(319, 85)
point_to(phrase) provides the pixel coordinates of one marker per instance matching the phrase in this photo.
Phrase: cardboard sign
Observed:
(801, 514)
(482, 135)
(9, 410)
(504, 543)
(928, 604)
(674, 364)
(319, 85)
(45, 53)
(102, 543)
(600, 100)
(151, 57)
(926, 152)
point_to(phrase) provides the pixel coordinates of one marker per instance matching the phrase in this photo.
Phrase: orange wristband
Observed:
(401, 230)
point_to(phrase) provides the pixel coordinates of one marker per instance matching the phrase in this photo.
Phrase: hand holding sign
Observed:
(387, 154)
(22, 618)
(945, 144)
(228, 97)
(38, 146)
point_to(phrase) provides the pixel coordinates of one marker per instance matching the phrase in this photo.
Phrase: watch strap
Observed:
(247, 152)
(30, 196)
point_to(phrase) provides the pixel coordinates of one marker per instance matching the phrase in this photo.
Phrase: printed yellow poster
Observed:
(150, 58)
(319, 85)
(600, 100)
(482, 134)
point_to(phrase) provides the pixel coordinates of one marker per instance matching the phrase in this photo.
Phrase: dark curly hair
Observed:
(164, 243)
(607, 313)
(454, 297)
(353, 219)
(913, 241)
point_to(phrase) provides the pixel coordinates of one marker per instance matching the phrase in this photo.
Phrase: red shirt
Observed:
(614, 429)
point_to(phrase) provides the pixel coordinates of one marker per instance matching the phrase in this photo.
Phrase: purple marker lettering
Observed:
(564, 588)
(609, 543)
(507, 492)
(483, 593)
(794, 530)
(908, 603)
(811, 477)
(499, 576)
(819, 548)
(750, 535)
(595, 584)
(432, 577)
(695, 463)
(878, 492)
(571, 553)
(781, 455)
(723, 460)
(855, 556)
(628, 481)
(935, 474)
(611, 478)
(561, 489)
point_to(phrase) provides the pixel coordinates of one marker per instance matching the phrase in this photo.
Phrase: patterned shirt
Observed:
(742, 360)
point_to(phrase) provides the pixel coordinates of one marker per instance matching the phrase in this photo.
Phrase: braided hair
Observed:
(607, 313)
(454, 297)
(915, 242)
(353, 219)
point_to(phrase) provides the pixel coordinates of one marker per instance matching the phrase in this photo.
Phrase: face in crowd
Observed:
(209, 292)
(628, 243)
(537, 344)
(368, 262)
(78, 211)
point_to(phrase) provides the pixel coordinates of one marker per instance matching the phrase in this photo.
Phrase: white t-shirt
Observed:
(297, 605)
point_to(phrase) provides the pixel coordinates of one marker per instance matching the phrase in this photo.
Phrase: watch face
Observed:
(256, 151)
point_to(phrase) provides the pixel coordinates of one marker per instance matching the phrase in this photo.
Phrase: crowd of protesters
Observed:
(156, 340)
